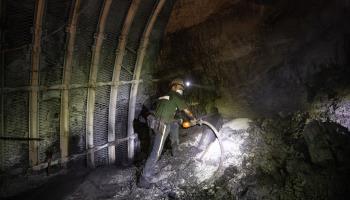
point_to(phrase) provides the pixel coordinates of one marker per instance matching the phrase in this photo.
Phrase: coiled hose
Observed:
(216, 132)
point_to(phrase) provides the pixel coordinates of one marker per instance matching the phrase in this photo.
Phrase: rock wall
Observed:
(261, 58)
(285, 64)
(291, 158)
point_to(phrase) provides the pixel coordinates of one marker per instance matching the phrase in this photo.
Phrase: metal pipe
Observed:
(67, 70)
(116, 73)
(95, 61)
(141, 52)
(33, 96)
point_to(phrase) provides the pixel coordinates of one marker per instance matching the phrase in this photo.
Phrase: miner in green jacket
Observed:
(163, 123)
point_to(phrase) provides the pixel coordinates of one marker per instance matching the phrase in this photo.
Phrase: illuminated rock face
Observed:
(263, 58)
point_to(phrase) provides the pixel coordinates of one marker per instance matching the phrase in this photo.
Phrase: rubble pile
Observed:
(188, 175)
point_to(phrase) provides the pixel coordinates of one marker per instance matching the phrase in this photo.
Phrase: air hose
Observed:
(216, 133)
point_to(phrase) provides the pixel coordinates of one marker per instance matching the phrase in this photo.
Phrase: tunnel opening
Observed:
(265, 86)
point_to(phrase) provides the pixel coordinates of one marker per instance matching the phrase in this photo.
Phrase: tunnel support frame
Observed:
(141, 52)
(120, 51)
(95, 61)
(34, 82)
(67, 71)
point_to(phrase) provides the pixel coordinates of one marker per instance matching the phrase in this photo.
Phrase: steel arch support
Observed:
(67, 70)
(116, 74)
(95, 61)
(34, 82)
(141, 52)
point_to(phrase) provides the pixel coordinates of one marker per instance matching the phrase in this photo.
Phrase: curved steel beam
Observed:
(67, 70)
(34, 82)
(141, 52)
(116, 73)
(92, 81)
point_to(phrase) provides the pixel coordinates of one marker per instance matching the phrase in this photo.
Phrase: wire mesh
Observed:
(18, 26)
(112, 31)
(49, 108)
(50, 73)
(86, 28)
(17, 39)
(101, 124)
(139, 23)
(129, 60)
(153, 50)
(77, 113)
(121, 122)
(15, 155)
(105, 71)
(53, 41)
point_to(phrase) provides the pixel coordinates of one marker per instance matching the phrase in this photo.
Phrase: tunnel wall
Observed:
(50, 73)
(15, 105)
(16, 49)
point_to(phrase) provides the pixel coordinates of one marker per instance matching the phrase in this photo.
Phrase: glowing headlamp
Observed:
(186, 124)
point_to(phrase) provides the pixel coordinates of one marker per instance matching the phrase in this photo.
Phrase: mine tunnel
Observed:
(258, 94)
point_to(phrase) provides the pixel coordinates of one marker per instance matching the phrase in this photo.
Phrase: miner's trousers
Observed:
(162, 131)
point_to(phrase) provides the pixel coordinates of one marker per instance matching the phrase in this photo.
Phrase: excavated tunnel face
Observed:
(78, 78)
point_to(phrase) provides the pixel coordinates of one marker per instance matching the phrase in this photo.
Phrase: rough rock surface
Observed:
(184, 176)
(260, 58)
(290, 157)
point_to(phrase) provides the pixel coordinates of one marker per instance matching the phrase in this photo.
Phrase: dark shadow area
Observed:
(57, 187)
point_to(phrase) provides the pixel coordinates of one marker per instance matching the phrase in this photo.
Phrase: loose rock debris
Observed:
(179, 177)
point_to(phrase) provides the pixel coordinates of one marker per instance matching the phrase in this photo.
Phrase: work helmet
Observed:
(177, 81)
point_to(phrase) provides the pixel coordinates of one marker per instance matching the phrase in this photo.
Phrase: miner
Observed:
(163, 122)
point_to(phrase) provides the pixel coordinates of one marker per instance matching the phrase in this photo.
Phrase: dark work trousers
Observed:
(174, 135)
(161, 134)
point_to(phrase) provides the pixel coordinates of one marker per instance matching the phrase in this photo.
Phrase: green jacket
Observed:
(167, 106)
